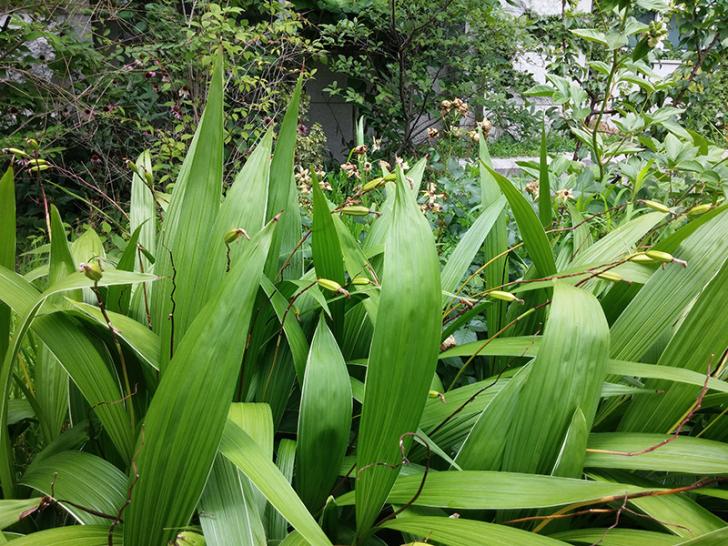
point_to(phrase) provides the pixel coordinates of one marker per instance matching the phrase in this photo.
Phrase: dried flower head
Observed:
(532, 189)
(564, 194)
(433, 133)
(350, 170)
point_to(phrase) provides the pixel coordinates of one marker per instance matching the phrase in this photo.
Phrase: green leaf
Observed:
(545, 208)
(469, 245)
(685, 455)
(714, 538)
(647, 316)
(240, 449)
(170, 481)
(7, 247)
(143, 216)
(326, 252)
(617, 537)
(286, 460)
(465, 532)
(324, 419)
(483, 490)
(403, 353)
(74, 535)
(11, 510)
(570, 462)
(82, 479)
(118, 297)
(282, 187)
(566, 374)
(697, 345)
(534, 237)
(590, 35)
(188, 223)
(496, 242)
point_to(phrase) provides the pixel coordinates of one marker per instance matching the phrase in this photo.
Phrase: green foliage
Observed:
(353, 383)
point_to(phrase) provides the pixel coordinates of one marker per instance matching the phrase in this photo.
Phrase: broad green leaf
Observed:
(715, 538)
(74, 535)
(7, 247)
(698, 344)
(532, 232)
(118, 297)
(566, 374)
(286, 460)
(483, 490)
(591, 35)
(465, 532)
(520, 346)
(685, 454)
(652, 311)
(240, 449)
(198, 396)
(82, 479)
(143, 216)
(617, 537)
(326, 253)
(12, 510)
(403, 353)
(188, 223)
(570, 462)
(324, 419)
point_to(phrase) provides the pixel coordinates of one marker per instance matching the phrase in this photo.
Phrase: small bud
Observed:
(504, 296)
(360, 281)
(436, 394)
(33, 143)
(333, 286)
(148, 177)
(356, 210)
(92, 270)
(132, 166)
(700, 209)
(655, 205)
(235, 234)
(16, 151)
(610, 276)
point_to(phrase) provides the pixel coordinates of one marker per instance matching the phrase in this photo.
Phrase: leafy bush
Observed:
(231, 376)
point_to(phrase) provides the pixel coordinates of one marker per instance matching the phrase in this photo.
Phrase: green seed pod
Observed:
(39, 168)
(92, 270)
(235, 234)
(16, 151)
(641, 258)
(700, 209)
(655, 205)
(332, 286)
(503, 296)
(356, 210)
(37, 162)
(665, 258)
(436, 394)
(360, 281)
(33, 143)
(610, 276)
(373, 184)
(148, 177)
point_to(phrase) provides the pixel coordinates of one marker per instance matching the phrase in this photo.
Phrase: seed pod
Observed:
(664, 257)
(610, 276)
(360, 281)
(356, 210)
(33, 143)
(148, 177)
(132, 166)
(235, 234)
(332, 286)
(16, 151)
(437, 394)
(39, 168)
(373, 184)
(641, 258)
(503, 296)
(700, 209)
(92, 270)
(37, 162)
(655, 205)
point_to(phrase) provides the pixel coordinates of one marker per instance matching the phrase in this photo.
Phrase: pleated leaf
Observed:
(545, 208)
(566, 374)
(188, 412)
(403, 353)
(324, 419)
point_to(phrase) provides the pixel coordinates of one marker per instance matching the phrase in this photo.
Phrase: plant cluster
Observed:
(240, 375)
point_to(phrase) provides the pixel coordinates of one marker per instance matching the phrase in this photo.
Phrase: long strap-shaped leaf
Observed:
(185, 420)
(403, 353)
(188, 223)
(75, 535)
(241, 450)
(567, 374)
(466, 532)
